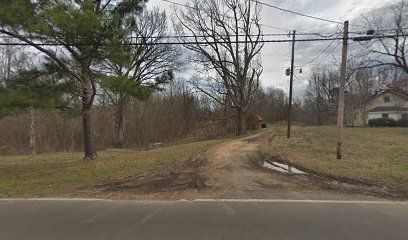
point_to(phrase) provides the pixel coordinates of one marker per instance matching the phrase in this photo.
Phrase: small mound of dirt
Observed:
(194, 162)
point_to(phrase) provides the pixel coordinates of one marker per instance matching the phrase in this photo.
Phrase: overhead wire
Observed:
(314, 26)
(262, 24)
(204, 42)
(296, 13)
(327, 54)
(318, 56)
(322, 35)
(274, 27)
(300, 81)
(178, 4)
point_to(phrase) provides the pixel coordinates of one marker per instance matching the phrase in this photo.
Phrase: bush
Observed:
(382, 122)
(403, 122)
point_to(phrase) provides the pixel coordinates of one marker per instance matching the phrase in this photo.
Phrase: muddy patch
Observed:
(171, 178)
(338, 184)
(159, 183)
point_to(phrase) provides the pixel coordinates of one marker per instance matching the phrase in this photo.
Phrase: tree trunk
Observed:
(227, 115)
(319, 111)
(87, 99)
(32, 132)
(119, 127)
(241, 123)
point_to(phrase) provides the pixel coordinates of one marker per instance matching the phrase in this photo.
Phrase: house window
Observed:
(387, 99)
(385, 115)
(405, 116)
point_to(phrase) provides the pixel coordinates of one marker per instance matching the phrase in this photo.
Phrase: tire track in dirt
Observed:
(231, 169)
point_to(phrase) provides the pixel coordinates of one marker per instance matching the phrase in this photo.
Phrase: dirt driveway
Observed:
(229, 170)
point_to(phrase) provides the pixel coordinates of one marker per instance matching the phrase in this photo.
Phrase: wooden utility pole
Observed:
(32, 132)
(292, 61)
(340, 112)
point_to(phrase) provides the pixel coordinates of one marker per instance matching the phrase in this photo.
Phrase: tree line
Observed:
(97, 73)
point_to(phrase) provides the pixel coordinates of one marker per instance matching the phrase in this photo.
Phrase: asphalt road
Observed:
(95, 219)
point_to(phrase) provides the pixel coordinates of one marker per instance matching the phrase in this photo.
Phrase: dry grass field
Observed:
(375, 155)
(60, 174)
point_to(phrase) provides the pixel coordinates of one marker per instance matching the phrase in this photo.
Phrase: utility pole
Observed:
(340, 112)
(291, 83)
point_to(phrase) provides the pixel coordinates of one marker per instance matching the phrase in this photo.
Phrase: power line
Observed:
(245, 35)
(338, 43)
(300, 81)
(278, 28)
(327, 54)
(178, 4)
(322, 35)
(289, 11)
(316, 26)
(269, 5)
(202, 42)
(380, 30)
(187, 6)
(221, 35)
(297, 13)
(318, 56)
(170, 43)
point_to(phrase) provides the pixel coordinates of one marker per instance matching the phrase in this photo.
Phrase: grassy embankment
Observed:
(377, 155)
(61, 174)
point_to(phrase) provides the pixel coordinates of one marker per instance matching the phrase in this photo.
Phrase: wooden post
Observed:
(340, 112)
(32, 133)
(291, 83)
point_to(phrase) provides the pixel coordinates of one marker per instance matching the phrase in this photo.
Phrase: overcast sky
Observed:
(276, 56)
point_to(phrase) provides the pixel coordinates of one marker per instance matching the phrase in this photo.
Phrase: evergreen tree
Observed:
(37, 89)
(74, 34)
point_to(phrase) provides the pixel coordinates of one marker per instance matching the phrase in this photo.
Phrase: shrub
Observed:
(382, 122)
(403, 122)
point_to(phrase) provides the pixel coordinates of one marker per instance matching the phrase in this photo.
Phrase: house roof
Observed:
(389, 109)
(391, 90)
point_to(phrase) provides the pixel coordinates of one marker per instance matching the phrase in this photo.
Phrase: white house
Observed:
(386, 104)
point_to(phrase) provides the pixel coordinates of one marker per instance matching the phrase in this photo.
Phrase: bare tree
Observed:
(393, 79)
(226, 41)
(12, 61)
(316, 88)
(391, 48)
(7, 54)
(147, 65)
(322, 92)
